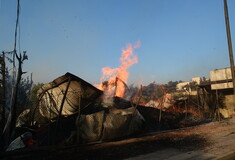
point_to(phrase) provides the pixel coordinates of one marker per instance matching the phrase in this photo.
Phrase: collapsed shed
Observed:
(70, 96)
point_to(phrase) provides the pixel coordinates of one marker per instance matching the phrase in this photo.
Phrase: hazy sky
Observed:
(180, 39)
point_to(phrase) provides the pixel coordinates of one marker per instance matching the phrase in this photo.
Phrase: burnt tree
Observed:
(9, 130)
(2, 91)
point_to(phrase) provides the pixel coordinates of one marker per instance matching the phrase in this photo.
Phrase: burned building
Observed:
(217, 94)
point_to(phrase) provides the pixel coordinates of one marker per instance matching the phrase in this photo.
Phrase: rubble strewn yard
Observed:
(93, 125)
(214, 140)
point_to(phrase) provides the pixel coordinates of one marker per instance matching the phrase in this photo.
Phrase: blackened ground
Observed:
(117, 150)
(137, 148)
(215, 140)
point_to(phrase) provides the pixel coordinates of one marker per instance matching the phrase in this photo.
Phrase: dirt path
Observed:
(220, 144)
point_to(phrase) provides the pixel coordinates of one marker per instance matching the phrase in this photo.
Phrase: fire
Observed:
(113, 78)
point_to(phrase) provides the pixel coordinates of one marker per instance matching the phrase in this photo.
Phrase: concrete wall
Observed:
(221, 74)
(197, 80)
(222, 86)
(229, 110)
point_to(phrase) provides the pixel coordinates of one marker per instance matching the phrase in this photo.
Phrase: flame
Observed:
(114, 77)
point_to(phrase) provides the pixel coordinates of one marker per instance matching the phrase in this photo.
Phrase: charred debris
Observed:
(70, 111)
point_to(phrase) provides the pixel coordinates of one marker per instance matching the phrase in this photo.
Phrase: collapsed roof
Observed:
(80, 95)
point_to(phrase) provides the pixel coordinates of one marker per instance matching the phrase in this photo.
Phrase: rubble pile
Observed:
(72, 111)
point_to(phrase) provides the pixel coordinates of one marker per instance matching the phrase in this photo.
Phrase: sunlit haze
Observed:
(180, 39)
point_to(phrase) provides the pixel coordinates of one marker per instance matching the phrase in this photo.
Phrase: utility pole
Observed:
(229, 44)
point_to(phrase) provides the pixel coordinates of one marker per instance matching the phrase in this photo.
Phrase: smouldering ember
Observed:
(112, 79)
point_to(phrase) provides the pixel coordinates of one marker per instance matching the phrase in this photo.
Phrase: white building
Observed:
(181, 86)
